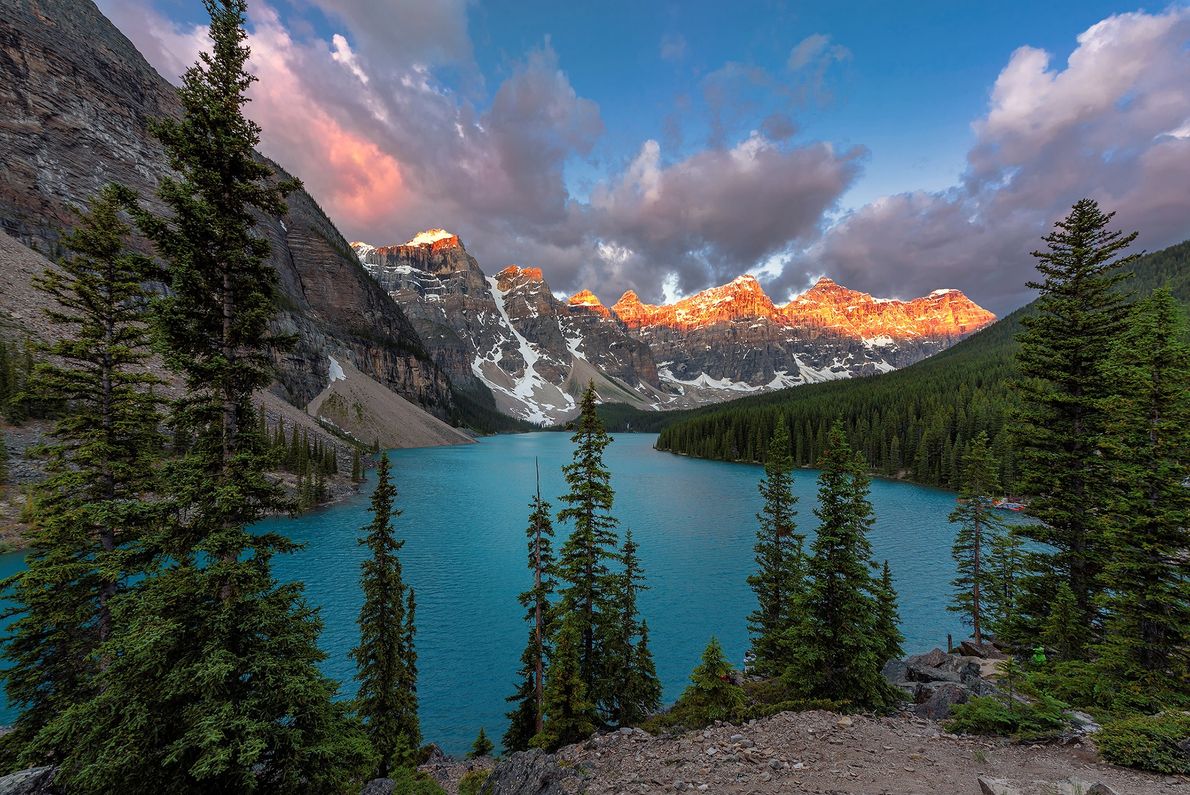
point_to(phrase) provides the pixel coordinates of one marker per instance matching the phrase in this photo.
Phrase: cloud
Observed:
(345, 56)
(1103, 125)
(817, 50)
(387, 147)
(713, 215)
(673, 47)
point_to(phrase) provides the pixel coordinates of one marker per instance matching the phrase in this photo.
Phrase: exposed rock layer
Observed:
(76, 100)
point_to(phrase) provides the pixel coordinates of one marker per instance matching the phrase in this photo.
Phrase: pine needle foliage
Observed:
(780, 559)
(93, 507)
(838, 643)
(211, 651)
(386, 658)
(1146, 444)
(527, 717)
(978, 524)
(1060, 414)
(587, 582)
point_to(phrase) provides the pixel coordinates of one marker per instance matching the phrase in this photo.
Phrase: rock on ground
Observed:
(34, 781)
(531, 772)
(820, 752)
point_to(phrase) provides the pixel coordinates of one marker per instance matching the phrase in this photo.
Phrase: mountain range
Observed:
(510, 334)
(417, 330)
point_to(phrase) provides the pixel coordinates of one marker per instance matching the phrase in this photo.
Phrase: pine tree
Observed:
(1064, 631)
(569, 715)
(837, 645)
(629, 663)
(213, 652)
(779, 579)
(712, 693)
(978, 523)
(588, 584)
(526, 719)
(888, 617)
(1060, 415)
(92, 506)
(481, 747)
(1146, 445)
(384, 701)
(1003, 571)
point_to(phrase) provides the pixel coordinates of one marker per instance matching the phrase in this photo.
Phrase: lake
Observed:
(465, 509)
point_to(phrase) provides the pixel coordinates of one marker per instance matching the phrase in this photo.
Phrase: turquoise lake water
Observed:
(464, 516)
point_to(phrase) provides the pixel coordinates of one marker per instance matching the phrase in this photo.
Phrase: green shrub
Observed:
(473, 782)
(1041, 717)
(1083, 686)
(1147, 742)
(408, 781)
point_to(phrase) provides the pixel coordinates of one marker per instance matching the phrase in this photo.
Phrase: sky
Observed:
(668, 147)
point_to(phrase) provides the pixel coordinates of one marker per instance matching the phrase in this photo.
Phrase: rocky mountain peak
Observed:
(943, 314)
(743, 297)
(634, 313)
(588, 300)
(515, 275)
(436, 239)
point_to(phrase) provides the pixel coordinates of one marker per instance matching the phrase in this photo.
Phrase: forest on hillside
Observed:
(916, 423)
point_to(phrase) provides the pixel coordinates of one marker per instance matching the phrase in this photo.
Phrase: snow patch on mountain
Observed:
(428, 237)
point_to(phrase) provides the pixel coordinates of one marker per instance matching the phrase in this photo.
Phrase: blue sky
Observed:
(897, 148)
(916, 76)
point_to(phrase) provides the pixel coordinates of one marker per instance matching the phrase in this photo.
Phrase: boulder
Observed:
(434, 756)
(935, 699)
(985, 650)
(532, 772)
(896, 672)
(931, 659)
(925, 673)
(33, 781)
(379, 786)
(997, 786)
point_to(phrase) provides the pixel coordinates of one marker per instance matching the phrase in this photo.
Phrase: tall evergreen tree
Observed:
(1146, 445)
(588, 585)
(212, 652)
(569, 714)
(978, 523)
(779, 579)
(888, 617)
(527, 718)
(386, 700)
(92, 506)
(1060, 417)
(1003, 571)
(628, 660)
(837, 644)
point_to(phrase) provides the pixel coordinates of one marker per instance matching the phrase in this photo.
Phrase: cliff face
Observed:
(507, 335)
(76, 99)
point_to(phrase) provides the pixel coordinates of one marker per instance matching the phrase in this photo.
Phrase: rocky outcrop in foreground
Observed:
(808, 752)
(819, 752)
(935, 681)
